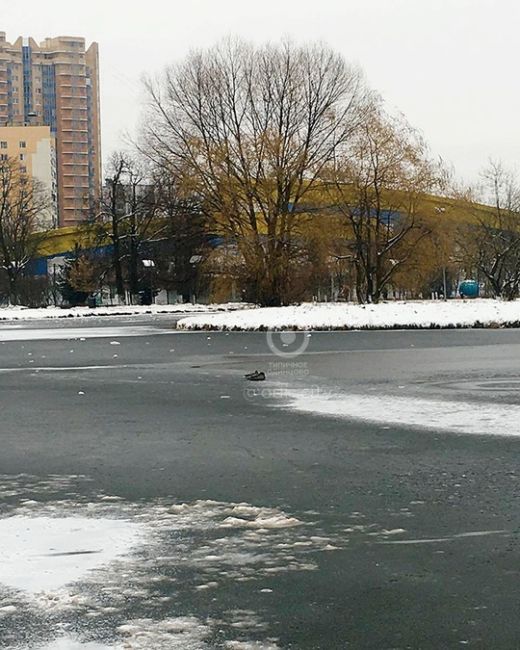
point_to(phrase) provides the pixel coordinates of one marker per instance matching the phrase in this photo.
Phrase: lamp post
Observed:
(150, 264)
(441, 210)
(54, 291)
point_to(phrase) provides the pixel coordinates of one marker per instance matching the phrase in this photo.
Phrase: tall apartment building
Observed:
(56, 84)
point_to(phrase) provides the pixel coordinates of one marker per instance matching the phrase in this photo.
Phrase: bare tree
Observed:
(491, 245)
(378, 183)
(23, 203)
(127, 212)
(251, 129)
(182, 244)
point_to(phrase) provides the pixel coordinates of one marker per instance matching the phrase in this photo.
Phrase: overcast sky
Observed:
(451, 66)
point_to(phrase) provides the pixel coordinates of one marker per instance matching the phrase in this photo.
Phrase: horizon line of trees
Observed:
(273, 173)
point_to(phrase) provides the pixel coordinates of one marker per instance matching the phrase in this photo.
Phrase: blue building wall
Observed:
(40, 265)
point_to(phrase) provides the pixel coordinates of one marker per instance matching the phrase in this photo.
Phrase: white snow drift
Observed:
(398, 314)
(24, 313)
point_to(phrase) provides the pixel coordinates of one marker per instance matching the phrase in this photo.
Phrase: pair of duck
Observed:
(255, 376)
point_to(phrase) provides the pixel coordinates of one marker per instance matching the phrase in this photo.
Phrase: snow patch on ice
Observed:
(133, 558)
(71, 644)
(250, 645)
(182, 633)
(440, 415)
(275, 521)
(44, 553)
(69, 333)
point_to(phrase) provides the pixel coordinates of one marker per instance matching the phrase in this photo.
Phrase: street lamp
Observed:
(150, 264)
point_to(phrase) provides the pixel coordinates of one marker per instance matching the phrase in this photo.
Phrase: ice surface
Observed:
(110, 564)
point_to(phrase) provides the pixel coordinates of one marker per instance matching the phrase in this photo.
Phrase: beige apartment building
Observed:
(34, 149)
(56, 84)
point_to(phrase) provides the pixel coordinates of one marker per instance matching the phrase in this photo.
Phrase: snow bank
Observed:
(389, 315)
(25, 313)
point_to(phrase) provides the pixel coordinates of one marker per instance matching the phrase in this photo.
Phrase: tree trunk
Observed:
(133, 273)
(120, 287)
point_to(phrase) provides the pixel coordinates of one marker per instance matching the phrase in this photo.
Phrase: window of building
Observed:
(23, 169)
(22, 156)
(23, 144)
(4, 156)
(3, 145)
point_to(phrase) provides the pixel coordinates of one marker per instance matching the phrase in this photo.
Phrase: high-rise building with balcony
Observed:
(56, 84)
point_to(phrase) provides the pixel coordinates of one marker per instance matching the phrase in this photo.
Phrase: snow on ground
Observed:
(25, 313)
(331, 316)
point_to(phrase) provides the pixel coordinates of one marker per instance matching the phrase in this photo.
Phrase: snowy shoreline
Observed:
(26, 313)
(453, 314)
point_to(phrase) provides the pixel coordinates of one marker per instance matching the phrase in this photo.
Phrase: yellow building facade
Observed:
(34, 149)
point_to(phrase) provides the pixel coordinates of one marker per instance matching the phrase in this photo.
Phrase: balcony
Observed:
(62, 74)
(72, 114)
(66, 121)
(75, 173)
(72, 141)
(69, 163)
(72, 108)
(67, 130)
(72, 181)
(73, 192)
